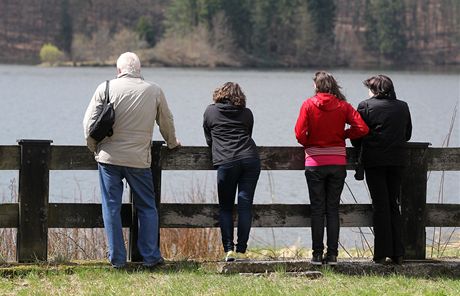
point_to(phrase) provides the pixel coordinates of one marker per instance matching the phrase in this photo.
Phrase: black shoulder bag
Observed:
(102, 126)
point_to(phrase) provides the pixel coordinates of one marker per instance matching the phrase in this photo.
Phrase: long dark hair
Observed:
(381, 85)
(326, 83)
(230, 92)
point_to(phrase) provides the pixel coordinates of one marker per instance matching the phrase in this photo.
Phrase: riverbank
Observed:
(446, 69)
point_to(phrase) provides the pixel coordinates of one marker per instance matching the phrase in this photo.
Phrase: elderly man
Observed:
(127, 155)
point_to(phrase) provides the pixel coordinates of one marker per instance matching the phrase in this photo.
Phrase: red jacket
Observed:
(322, 120)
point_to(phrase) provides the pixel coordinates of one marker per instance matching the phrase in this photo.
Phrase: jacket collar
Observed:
(129, 75)
(385, 97)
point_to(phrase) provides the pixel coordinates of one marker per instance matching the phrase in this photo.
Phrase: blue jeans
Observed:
(325, 185)
(141, 183)
(242, 174)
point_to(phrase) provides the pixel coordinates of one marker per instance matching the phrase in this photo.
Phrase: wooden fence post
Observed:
(133, 251)
(32, 235)
(156, 172)
(413, 201)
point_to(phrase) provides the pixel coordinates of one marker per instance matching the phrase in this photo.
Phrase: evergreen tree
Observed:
(64, 39)
(239, 17)
(370, 35)
(145, 31)
(264, 25)
(282, 32)
(323, 15)
(181, 16)
(390, 28)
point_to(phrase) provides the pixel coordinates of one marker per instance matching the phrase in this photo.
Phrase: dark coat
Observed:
(228, 131)
(390, 127)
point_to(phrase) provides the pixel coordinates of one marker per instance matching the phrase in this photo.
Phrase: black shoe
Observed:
(398, 260)
(317, 260)
(380, 260)
(160, 262)
(118, 267)
(331, 260)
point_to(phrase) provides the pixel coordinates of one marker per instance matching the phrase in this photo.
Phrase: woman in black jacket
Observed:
(228, 127)
(383, 159)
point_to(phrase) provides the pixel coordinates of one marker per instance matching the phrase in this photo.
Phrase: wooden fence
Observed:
(33, 214)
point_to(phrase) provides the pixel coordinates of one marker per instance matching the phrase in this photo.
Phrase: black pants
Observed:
(242, 174)
(384, 184)
(325, 185)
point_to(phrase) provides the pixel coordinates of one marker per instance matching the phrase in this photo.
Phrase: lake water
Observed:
(49, 103)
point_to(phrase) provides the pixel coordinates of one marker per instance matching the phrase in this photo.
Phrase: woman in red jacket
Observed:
(320, 128)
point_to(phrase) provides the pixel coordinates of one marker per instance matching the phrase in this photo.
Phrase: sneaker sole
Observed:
(316, 263)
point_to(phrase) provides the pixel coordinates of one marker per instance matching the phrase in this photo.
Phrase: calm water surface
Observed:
(49, 103)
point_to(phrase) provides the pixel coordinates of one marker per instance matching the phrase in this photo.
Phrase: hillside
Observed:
(431, 29)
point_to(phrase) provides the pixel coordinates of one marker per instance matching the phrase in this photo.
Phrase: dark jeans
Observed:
(325, 185)
(384, 184)
(242, 174)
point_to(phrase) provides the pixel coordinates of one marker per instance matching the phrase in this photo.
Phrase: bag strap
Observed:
(107, 100)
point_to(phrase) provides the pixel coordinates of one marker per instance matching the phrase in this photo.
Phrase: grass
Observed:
(188, 280)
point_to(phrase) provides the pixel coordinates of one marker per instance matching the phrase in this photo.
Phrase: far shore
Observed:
(417, 68)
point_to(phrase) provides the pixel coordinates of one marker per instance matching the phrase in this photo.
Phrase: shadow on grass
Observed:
(422, 269)
(45, 269)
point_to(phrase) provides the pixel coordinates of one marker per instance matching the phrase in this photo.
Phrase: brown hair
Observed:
(230, 92)
(326, 83)
(381, 85)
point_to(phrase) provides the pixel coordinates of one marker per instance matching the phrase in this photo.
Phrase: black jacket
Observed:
(228, 131)
(390, 127)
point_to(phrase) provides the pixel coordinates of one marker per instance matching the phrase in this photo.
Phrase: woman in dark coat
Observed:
(228, 128)
(383, 159)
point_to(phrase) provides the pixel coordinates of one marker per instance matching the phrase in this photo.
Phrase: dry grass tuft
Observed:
(191, 243)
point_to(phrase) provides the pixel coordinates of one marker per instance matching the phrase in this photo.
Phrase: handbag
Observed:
(105, 118)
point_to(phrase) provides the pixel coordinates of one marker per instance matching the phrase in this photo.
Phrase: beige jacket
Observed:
(138, 104)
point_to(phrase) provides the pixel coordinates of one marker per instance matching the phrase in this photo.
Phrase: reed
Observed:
(440, 242)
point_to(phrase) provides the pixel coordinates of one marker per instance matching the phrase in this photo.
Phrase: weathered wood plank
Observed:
(9, 214)
(81, 215)
(443, 159)
(199, 215)
(10, 157)
(72, 158)
(352, 267)
(443, 215)
(270, 215)
(199, 158)
(187, 157)
(272, 158)
(204, 215)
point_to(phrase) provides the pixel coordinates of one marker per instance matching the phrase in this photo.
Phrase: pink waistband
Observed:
(319, 160)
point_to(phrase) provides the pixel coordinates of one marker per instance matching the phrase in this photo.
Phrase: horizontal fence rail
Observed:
(33, 214)
(199, 158)
(184, 215)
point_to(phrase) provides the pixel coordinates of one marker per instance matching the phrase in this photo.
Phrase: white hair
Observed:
(129, 62)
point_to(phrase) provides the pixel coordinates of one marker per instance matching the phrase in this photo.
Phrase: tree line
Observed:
(287, 33)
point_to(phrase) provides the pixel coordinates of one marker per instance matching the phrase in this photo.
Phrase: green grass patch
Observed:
(187, 278)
